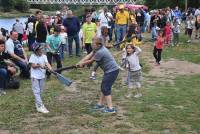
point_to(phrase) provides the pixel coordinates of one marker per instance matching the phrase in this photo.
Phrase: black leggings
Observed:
(57, 59)
(157, 54)
(88, 47)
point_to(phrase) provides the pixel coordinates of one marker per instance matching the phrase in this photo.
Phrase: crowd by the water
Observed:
(51, 39)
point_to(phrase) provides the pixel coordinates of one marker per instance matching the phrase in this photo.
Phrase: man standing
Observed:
(19, 57)
(121, 22)
(106, 19)
(72, 25)
(41, 30)
(177, 14)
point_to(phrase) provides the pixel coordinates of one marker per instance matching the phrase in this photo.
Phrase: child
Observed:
(105, 38)
(63, 36)
(134, 69)
(89, 31)
(176, 32)
(80, 35)
(158, 47)
(133, 31)
(53, 45)
(168, 31)
(38, 62)
(189, 26)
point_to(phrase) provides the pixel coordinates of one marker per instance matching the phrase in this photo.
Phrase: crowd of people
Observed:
(50, 38)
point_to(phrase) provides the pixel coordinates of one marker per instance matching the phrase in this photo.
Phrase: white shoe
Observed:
(138, 95)
(42, 109)
(128, 95)
(122, 69)
(188, 41)
(2, 92)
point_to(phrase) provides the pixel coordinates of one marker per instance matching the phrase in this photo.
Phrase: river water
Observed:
(7, 23)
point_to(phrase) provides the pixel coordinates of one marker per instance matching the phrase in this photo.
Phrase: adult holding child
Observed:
(107, 63)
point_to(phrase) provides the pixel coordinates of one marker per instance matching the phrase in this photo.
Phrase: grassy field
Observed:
(164, 108)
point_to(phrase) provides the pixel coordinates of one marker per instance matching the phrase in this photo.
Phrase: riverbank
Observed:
(15, 13)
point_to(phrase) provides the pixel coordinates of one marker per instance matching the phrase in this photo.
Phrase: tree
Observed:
(7, 5)
(21, 5)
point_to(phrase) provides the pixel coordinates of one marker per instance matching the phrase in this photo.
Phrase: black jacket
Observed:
(3, 56)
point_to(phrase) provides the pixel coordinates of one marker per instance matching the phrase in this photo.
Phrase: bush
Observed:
(7, 5)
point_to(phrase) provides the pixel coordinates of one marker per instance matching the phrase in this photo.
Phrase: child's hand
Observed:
(122, 69)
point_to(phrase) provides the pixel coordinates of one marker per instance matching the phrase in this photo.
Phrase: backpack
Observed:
(12, 83)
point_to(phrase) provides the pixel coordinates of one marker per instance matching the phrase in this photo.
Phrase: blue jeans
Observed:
(3, 77)
(144, 26)
(120, 32)
(62, 50)
(153, 33)
(70, 42)
(24, 69)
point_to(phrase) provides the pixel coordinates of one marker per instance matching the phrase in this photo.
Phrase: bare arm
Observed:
(25, 56)
(88, 59)
(137, 50)
(16, 57)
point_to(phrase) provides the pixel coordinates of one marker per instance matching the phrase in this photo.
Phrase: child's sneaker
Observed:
(93, 76)
(111, 111)
(121, 68)
(98, 107)
(2, 92)
(42, 109)
(138, 95)
(128, 95)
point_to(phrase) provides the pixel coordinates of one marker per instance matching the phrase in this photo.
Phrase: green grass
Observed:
(169, 107)
(185, 51)
(164, 107)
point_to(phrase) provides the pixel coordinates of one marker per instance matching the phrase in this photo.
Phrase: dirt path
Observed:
(4, 132)
(169, 69)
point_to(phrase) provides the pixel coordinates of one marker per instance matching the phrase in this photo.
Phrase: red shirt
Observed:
(159, 43)
(168, 29)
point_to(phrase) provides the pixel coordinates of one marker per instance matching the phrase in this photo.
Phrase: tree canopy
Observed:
(22, 5)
